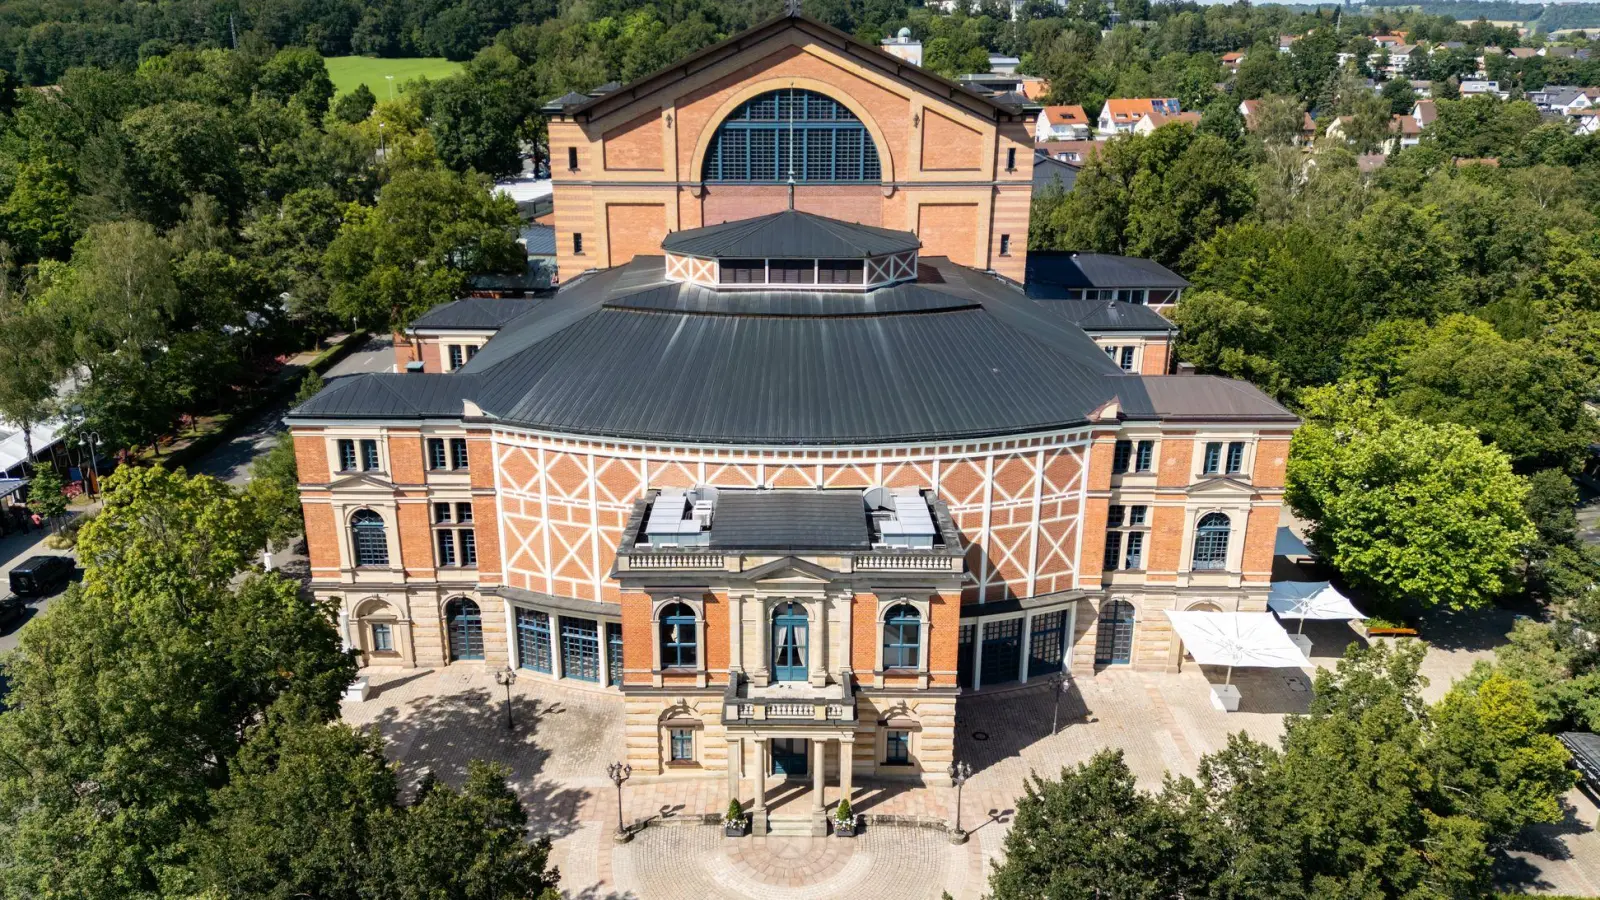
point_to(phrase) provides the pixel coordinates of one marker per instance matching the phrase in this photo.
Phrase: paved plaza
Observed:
(439, 720)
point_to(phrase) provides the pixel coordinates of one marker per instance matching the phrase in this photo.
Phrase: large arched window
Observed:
(678, 647)
(369, 538)
(463, 623)
(790, 642)
(792, 132)
(902, 638)
(1211, 541)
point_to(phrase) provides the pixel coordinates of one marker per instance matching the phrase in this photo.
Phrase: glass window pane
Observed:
(533, 640)
(580, 649)
(458, 453)
(469, 547)
(369, 455)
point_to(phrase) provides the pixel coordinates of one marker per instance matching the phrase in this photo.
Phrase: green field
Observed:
(349, 71)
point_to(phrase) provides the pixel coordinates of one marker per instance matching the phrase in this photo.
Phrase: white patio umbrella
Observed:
(1310, 600)
(1236, 639)
(1288, 543)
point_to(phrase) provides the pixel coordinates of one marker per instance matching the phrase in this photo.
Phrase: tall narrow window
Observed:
(456, 357)
(897, 748)
(458, 453)
(382, 638)
(1127, 359)
(1113, 643)
(572, 158)
(1120, 455)
(577, 243)
(1213, 460)
(347, 456)
(1145, 456)
(1211, 542)
(1235, 457)
(1011, 159)
(436, 458)
(679, 649)
(446, 540)
(469, 547)
(1005, 245)
(369, 455)
(902, 638)
(1125, 536)
(369, 539)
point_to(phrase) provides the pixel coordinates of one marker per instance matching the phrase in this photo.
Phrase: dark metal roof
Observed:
(1105, 315)
(1098, 270)
(1585, 749)
(790, 520)
(386, 395)
(473, 314)
(539, 239)
(1048, 170)
(790, 234)
(1211, 398)
(673, 296)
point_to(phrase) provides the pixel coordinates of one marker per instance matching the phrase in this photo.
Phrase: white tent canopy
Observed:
(1310, 600)
(1289, 544)
(1236, 639)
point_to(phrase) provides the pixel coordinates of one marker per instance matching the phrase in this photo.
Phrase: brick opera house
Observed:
(795, 462)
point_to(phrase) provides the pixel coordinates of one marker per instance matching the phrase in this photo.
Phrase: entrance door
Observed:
(789, 632)
(464, 625)
(1002, 651)
(789, 757)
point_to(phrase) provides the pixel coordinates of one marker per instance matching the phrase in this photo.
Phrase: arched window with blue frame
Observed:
(792, 132)
(679, 649)
(1211, 541)
(370, 539)
(902, 638)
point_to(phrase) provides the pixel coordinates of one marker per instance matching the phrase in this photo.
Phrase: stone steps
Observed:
(789, 826)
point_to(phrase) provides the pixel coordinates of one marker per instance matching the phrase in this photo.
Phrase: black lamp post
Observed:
(619, 773)
(959, 773)
(1059, 683)
(91, 439)
(506, 678)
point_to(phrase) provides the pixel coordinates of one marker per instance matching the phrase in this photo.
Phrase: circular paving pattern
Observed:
(698, 863)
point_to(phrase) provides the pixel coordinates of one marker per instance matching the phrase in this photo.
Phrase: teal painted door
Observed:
(789, 632)
(789, 757)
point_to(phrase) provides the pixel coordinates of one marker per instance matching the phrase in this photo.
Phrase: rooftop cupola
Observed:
(791, 250)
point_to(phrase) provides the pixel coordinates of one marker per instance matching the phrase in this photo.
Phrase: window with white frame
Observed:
(1212, 462)
(1235, 461)
(347, 455)
(1133, 456)
(1211, 535)
(1126, 530)
(682, 745)
(369, 538)
(1123, 356)
(902, 637)
(454, 546)
(679, 646)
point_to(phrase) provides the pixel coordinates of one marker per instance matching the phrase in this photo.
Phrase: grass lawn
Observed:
(349, 71)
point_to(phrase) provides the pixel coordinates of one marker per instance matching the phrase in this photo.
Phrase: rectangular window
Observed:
(456, 357)
(441, 513)
(1127, 359)
(1235, 457)
(1120, 457)
(1005, 245)
(469, 547)
(577, 243)
(1110, 351)
(1213, 460)
(840, 271)
(436, 458)
(1114, 515)
(1125, 530)
(533, 641)
(458, 453)
(472, 350)
(1113, 551)
(464, 511)
(897, 748)
(347, 456)
(572, 158)
(682, 745)
(1158, 297)
(369, 455)
(382, 638)
(447, 547)
(1145, 456)
(1135, 556)
(792, 271)
(742, 271)
(1011, 159)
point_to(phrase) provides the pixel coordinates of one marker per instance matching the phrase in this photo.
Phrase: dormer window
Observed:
(844, 255)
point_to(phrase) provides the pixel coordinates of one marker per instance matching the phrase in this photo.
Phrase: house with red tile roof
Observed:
(1119, 115)
(1062, 123)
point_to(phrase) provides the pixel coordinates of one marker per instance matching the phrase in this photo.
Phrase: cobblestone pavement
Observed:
(565, 737)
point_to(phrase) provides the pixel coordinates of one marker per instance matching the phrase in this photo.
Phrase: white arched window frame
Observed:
(924, 609)
(660, 608)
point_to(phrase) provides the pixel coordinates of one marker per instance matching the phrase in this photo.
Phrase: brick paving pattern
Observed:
(564, 738)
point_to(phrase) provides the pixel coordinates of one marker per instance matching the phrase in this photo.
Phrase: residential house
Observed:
(1003, 65)
(1232, 59)
(1075, 152)
(1562, 100)
(676, 484)
(1480, 88)
(1308, 126)
(1564, 52)
(1286, 42)
(1151, 121)
(1587, 121)
(1050, 172)
(1062, 123)
(1075, 275)
(1422, 88)
(1119, 115)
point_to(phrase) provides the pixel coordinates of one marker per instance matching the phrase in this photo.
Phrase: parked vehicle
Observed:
(38, 576)
(13, 610)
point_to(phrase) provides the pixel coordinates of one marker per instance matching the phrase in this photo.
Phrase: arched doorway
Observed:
(1113, 642)
(790, 633)
(463, 626)
(377, 632)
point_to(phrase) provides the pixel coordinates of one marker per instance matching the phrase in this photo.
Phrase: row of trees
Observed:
(163, 236)
(1374, 793)
(174, 732)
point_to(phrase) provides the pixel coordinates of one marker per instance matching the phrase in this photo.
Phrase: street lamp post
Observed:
(506, 678)
(619, 773)
(959, 773)
(390, 79)
(92, 438)
(1059, 684)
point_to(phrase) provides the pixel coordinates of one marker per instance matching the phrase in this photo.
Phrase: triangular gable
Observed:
(846, 44)
(361, 481)
(1222, 485)
(790, 568)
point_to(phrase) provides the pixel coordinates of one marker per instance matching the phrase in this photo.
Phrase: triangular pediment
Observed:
(791, 570)
(362, 481)
(1222, 485)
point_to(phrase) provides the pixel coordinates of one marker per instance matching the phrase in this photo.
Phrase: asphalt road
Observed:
(230, 463)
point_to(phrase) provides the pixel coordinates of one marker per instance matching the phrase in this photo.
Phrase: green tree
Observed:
(1220, 334)
(1480, 126)
(274, 489)
(1278, 120)
(38, 212)
(356, 105)
(30, 364)
(297, 77)
(46, 494)
(1093, 833)
(1401, 96)
(429, 233)
(1419, 514)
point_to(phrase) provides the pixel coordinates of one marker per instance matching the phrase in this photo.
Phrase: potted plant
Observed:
(735, 822)
(844, 819)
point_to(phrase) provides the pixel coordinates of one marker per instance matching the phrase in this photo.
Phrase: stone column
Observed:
(758, 814)
(847, 765)
(735, 758)
(555, 647)
(817, 642)
(819, 812)
(345, 643)
(736, 631)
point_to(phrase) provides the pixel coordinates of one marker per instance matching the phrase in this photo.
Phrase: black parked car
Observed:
(12, 610)
(41, 575)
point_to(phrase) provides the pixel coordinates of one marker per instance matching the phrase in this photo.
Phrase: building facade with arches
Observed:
(789, 483)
